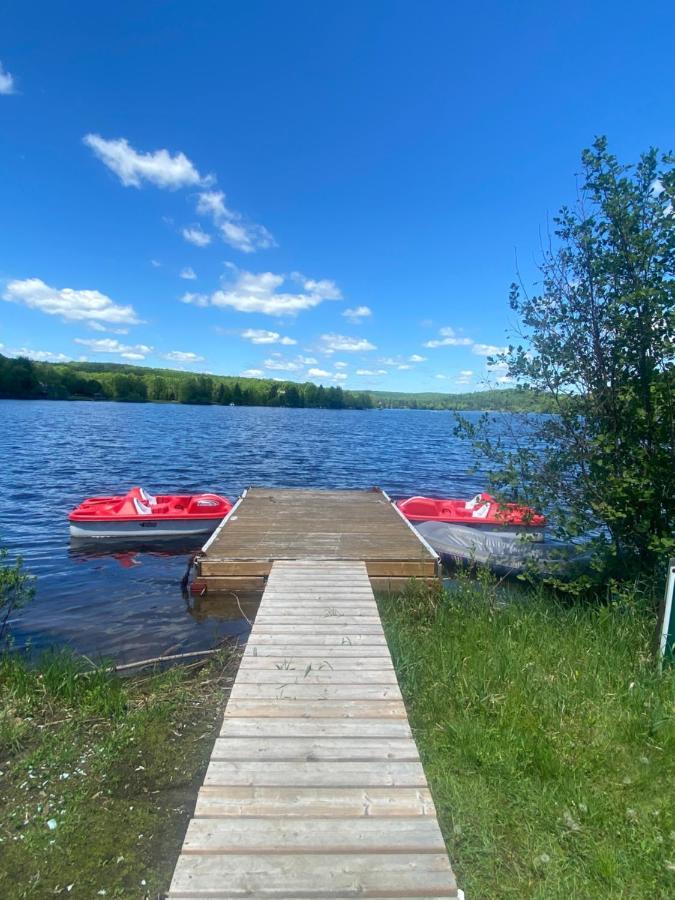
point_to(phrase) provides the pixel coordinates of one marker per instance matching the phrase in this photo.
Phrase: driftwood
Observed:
(158, 659)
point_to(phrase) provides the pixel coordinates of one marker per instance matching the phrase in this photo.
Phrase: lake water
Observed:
(129, 605)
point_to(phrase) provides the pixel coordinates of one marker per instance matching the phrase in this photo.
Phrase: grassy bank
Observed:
(548, 741)
(98, 774)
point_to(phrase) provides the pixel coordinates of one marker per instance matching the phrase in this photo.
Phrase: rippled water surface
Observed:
(127, 603)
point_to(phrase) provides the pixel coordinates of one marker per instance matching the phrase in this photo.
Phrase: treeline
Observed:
(24, 379)
(503, 400)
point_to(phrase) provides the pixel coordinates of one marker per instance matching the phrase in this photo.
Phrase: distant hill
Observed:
(25, 379)
(502, 400)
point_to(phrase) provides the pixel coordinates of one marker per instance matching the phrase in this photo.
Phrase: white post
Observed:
(666, 631)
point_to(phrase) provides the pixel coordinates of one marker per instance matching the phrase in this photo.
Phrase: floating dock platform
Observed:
(315, 787)
(268, 525)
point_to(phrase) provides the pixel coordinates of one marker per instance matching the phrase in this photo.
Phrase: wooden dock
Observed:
(266, 525)
(315, 788)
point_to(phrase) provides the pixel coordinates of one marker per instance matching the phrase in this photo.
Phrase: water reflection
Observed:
(129, 553)
(230, 605)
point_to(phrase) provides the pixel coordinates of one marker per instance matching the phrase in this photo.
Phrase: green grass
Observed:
(99, 774)
(548, 740)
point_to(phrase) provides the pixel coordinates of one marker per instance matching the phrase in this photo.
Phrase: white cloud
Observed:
(441, 377)
(487, 349)
(252, 373)
(183, 357)
(195, 235)
(260, 293)
(307, 360)
(403, 367)
(416, 358)
(357, 313)
(96, 326)
(195, 299)
(133, 168)
(261, 336)
(339, 376)
(72, 305)
(449, 339)
(505, 379)
(6, 81)
(234, 229)
(111, 345)
(341, 365)
(277, 364)
(318, 373)
(332, 342)
(371, 372)
(155, 263)
(212, 203)
(188, 273)
(466, 373)
(39, 355)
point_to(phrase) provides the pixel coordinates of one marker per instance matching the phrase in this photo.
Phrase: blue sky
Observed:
(328, 192)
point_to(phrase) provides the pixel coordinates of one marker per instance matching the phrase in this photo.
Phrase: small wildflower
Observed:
(52, 824)
(631, 814)
(542, 860)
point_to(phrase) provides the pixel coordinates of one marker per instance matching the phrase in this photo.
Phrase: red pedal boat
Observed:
(482, 511)
(139, 514)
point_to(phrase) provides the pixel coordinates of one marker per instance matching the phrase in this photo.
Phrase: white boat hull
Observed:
(149, 530)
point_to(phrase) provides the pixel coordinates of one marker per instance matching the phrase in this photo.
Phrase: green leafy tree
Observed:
(598, 340)
(18, 378)
(16, 589)
(130, 388)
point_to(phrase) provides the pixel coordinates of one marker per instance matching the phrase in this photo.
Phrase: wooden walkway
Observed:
(315, 788)
(270, 524)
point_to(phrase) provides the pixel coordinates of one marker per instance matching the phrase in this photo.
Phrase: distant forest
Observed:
(25, 379)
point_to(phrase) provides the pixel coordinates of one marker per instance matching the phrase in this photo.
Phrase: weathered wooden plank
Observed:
(335, 749)
(306, 650)
(292, 690)
(314, 675)
(295, 690)
(292, 802)
(298, 662)
(327, 617)
(324, 626)
(318, 774)
(306, 709)
(406, 568)
(234, 567)
(388, 729)
(316, 640)
(236, 583)
(314, 875)
(417, 834)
